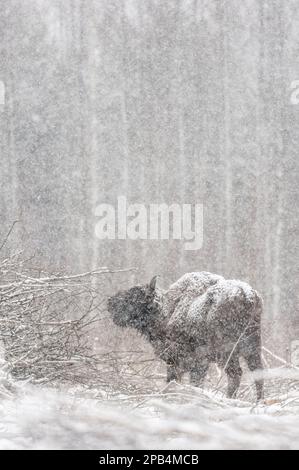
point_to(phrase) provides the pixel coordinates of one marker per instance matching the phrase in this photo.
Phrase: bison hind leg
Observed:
(234, 374)
(198, 372)
(254, 363)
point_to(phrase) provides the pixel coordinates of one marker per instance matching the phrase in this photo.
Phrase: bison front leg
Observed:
(198, 373)
(173, 373)
(234, 374)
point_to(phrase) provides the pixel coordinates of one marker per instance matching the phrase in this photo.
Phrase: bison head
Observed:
(135, 307)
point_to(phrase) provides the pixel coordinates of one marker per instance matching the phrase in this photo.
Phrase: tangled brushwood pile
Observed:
(46, 322)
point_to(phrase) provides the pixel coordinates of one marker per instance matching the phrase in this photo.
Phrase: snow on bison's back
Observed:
(228, 308)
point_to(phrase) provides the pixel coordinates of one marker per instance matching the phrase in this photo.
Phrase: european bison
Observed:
(201, 318)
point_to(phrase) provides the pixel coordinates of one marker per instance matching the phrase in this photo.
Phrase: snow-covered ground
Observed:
(180, 417)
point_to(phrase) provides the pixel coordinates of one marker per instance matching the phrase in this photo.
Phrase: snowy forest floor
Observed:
(177, 417)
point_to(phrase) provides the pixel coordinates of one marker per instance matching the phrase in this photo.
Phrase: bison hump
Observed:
(178, 298)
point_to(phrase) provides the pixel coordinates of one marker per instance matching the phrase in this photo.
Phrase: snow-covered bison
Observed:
(201, 318)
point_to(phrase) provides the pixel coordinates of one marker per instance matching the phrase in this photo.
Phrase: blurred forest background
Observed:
(174, 101)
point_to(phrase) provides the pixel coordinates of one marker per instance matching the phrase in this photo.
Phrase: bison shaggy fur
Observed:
(202, 318)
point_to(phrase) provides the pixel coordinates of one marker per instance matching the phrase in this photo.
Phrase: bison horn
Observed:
(152, 284)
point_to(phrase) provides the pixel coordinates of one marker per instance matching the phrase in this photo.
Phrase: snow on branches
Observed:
(46, 323)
